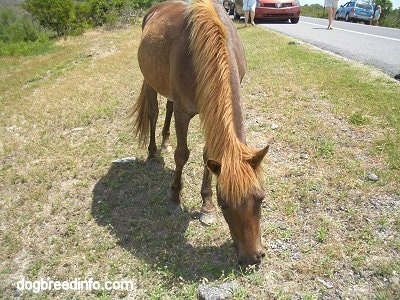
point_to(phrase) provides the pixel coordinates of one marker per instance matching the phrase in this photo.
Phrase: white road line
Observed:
(373, 35)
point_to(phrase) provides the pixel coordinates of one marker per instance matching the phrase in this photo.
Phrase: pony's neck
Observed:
(218, 99)
(227, 138)
(237, 115)
(217, 81)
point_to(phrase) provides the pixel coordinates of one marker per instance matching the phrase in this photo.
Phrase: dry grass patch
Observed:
(69, 212)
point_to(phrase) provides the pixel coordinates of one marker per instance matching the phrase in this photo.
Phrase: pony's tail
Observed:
(141, 120)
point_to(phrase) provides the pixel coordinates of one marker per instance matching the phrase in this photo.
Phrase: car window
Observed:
(364, 5)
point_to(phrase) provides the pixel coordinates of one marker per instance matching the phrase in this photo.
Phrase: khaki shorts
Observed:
(249, 5)
(332, 3)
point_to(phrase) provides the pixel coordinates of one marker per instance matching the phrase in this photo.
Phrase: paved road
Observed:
(373, 45)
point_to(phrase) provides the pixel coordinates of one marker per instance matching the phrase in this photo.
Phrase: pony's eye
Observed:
(260, 199)
(224, 206)
(260, 196)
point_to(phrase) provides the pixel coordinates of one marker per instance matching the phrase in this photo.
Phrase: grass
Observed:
(26, 48)
(69, 212)
(358, 119)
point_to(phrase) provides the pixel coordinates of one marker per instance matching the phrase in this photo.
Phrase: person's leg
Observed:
(329, 9)
(252, 13)
(246, 17)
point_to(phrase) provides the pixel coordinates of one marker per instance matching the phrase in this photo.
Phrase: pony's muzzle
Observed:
(254, 259)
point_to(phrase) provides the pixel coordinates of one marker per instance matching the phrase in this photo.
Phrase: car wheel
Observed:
(336, 16)
(347, 18)
(294, 20)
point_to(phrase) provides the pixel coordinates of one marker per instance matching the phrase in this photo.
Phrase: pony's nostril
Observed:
(254, 259)
(261, 254)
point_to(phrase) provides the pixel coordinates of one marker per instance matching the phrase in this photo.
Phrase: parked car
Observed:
(355, 11)
(272, 10)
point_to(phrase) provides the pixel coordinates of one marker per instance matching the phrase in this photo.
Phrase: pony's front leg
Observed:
(181, 156)
(167, 123)
(208, 213)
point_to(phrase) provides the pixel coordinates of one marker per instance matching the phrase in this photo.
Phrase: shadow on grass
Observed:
(260, 21)
(131, 200)
(266, 21)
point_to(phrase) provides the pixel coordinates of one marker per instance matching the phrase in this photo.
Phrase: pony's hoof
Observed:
(208, 218)
(174, 209)
(153, 164)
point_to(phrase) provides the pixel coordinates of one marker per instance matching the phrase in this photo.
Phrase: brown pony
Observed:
(191, 53)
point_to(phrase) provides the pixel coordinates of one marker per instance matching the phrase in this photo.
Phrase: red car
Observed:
(272, 10)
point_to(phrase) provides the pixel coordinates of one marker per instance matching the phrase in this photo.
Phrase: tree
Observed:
(105, 11)
(386, 6)
(392, 19)
(57, 15)
(15, 26)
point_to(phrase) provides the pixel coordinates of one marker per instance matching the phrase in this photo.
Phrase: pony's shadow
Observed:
(264, 21)
(131, 201)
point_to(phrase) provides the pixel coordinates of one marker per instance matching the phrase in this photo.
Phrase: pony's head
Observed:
(242, 211)
(219, 65)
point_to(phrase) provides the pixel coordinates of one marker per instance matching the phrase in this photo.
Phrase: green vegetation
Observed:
(32, 26)
(392, 19)
(68, 16)
(313, 10)
(20, 35)
(358, 119)
(56, 15)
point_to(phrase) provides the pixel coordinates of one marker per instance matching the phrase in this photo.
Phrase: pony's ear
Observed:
(214, 166)
(256, 160)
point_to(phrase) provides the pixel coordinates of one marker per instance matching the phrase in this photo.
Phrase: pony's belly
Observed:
(154, 70)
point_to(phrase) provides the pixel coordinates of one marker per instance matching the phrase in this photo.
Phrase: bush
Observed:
(81, 20)
(313, 10)
(57, 15)
(17, 27)
(19, 34)
(392, 19)
(104, 11)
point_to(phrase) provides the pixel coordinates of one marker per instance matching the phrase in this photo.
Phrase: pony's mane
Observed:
(208, 46)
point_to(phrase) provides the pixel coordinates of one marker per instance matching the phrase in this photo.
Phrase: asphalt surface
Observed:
(372, 45)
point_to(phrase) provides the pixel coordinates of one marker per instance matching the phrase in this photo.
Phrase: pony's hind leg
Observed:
(208, 213)
(167, 123)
